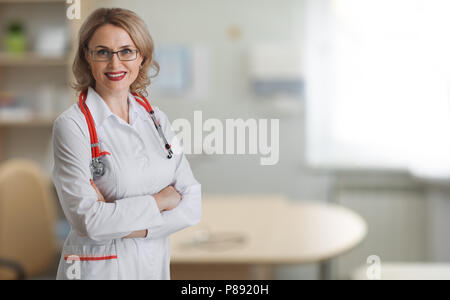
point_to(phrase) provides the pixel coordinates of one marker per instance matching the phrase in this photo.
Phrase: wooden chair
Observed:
(27, 220)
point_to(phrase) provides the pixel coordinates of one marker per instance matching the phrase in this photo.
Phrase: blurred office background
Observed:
(360, 87)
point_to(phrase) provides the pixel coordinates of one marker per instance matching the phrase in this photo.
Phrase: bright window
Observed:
(377, 78)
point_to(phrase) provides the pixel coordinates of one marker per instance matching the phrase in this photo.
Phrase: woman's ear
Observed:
(143, 61)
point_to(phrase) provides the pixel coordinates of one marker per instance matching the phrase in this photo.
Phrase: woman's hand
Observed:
(168, 198)
(137, 234)
(99, 195)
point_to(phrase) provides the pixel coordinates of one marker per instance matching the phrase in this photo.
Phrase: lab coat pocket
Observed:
(90, 262)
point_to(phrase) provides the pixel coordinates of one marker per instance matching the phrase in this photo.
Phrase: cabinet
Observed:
(34, 84)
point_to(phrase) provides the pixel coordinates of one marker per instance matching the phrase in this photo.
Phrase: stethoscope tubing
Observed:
(95, 146)
(144, 102)
(91, 126)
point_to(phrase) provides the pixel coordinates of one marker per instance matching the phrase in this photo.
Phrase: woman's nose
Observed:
(114, 61)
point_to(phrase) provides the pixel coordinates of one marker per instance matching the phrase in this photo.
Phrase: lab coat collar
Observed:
(133, 109)
(100, 110)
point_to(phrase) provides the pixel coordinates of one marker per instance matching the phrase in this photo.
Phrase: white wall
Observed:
(439, 223)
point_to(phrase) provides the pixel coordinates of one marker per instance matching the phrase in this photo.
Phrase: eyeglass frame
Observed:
(112, 53)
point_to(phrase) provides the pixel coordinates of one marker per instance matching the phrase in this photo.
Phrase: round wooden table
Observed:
(244, 237)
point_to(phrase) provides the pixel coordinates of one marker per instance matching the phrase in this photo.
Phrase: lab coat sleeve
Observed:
(71, 174)
(189, 211)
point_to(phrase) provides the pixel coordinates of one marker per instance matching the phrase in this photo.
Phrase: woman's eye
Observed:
(126, 51)
(102, 52)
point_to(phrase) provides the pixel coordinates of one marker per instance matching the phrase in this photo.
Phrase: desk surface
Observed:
(267, 230)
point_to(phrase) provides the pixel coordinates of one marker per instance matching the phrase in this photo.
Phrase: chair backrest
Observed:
(27, 216)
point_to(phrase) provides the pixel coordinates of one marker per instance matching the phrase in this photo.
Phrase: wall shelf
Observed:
(33, 70)
(30, 59)
(32, 122)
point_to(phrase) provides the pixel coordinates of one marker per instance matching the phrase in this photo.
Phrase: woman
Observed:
(122, 195)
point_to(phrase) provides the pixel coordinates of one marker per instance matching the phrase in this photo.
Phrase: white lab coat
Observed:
(136, 169)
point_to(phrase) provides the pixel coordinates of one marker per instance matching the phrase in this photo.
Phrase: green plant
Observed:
(15, 40)
(15, 27)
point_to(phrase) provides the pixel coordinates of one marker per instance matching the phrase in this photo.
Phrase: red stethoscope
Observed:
(97, 166)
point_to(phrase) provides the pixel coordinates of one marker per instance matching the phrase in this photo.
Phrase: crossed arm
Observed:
(167, 199)
(162, 214)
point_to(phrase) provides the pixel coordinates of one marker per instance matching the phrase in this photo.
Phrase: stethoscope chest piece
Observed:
(97, 167)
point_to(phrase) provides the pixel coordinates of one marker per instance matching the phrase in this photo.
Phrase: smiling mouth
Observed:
(116, 76)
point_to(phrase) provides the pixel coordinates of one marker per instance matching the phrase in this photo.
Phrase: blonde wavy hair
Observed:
(138, 32)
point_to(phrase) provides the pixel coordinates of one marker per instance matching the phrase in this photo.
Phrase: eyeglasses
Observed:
(106, 54)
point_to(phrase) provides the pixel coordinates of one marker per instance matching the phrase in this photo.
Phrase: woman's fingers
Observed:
(99, 195)
(93, 185)
(168, 198)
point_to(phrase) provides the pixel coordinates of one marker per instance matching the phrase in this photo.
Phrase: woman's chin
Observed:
(116, 86)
